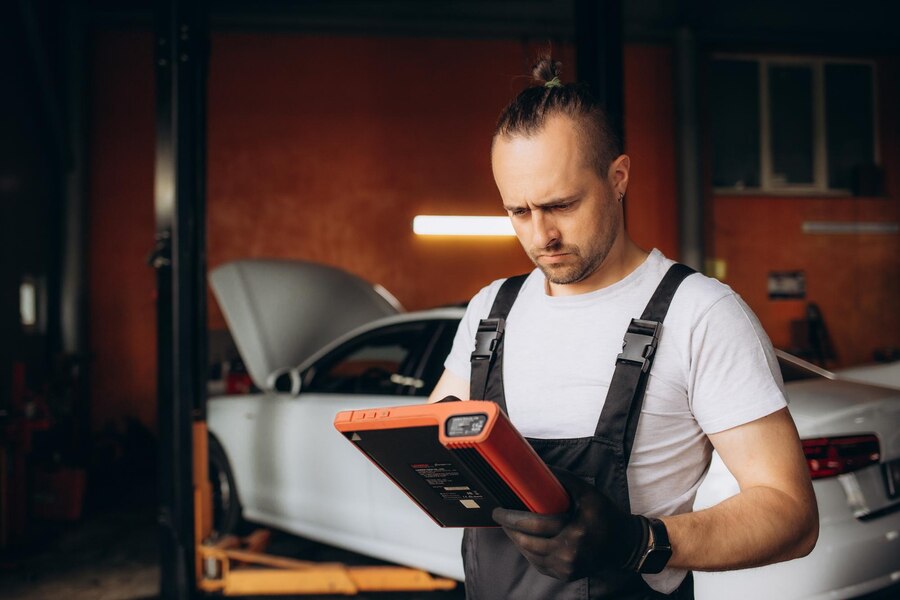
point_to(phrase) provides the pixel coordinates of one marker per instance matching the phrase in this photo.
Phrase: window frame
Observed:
(414, 362)
(767, 180)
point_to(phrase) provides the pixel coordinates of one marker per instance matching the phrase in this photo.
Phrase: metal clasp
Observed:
(489, 334)
(640, 343)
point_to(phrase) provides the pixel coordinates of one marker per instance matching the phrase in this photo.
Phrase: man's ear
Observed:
(617, 175)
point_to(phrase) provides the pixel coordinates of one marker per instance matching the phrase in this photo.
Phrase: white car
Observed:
(277, 460)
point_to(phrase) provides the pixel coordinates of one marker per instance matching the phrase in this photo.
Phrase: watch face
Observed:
(660, 552)
(656, 560)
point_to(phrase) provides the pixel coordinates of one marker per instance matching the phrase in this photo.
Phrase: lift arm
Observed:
(238, 566)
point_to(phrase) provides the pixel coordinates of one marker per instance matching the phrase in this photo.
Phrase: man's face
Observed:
(566, 216)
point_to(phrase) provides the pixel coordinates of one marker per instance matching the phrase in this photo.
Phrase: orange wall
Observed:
(392, 128)
(121, 230)
(651, 207)
(855, 279)
(325, 148)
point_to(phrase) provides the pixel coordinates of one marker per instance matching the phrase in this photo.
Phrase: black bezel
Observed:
(658, 554)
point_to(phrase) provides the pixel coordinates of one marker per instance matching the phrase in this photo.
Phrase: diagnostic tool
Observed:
(456, 460)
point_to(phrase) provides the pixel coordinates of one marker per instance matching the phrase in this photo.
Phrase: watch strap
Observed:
(658, 551)
(638, 530)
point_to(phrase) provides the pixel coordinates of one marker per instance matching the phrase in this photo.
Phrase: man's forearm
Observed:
(759, 526)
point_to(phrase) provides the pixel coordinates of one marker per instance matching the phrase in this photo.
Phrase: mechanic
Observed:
(631, 447)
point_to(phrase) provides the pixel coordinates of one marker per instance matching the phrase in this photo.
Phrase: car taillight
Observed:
(830, 456)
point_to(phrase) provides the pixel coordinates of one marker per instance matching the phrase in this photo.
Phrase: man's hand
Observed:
(593, 535)
(450, 385)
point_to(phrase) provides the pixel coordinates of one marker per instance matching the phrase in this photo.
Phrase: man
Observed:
(553, 366)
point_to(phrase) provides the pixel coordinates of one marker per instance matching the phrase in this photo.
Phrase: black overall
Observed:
(494, 567)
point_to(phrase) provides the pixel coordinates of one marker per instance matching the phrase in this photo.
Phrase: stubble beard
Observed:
(585, 263)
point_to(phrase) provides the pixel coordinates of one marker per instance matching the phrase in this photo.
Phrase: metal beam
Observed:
(599, 42)
(691, 210)
(180, 261)
(73, 286)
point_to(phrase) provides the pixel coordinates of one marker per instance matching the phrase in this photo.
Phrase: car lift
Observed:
(238, 566)
(190, 561)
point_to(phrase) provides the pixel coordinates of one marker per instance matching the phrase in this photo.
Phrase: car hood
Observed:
(281, 311)
(825, 407)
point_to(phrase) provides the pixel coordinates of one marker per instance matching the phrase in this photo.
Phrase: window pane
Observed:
(435, 365)
(734, 110)
(790, 104)
(849, 122)
(379, 362)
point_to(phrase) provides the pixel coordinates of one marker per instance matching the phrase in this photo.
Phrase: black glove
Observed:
(592, 536)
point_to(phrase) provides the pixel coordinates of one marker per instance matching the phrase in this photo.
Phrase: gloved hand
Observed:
(593, 535)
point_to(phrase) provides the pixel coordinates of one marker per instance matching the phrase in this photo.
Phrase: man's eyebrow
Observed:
(551, 202)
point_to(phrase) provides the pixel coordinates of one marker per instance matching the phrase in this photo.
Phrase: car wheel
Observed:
(226, 505)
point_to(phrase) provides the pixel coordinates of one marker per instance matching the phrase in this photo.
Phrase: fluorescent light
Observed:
(453, 225)
(28, 304)
(849, 227)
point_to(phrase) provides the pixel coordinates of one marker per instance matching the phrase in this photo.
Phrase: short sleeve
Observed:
(734, 376)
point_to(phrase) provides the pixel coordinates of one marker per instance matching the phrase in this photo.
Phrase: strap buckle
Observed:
(640, 343)
(489, 334)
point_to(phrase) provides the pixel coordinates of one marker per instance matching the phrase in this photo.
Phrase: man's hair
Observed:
(547, 97)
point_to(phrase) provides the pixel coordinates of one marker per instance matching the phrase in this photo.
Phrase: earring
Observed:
(621, 196)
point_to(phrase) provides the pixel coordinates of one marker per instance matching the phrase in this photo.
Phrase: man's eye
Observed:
(518, 212)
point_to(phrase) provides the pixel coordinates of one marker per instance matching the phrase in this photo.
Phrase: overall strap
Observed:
(486, 380)
(622, 409)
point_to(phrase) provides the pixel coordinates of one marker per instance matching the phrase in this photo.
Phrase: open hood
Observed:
(281, 311)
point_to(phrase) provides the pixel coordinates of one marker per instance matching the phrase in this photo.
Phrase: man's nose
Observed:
(543, 230)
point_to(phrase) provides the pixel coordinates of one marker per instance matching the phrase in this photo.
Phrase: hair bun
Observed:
(546, 70)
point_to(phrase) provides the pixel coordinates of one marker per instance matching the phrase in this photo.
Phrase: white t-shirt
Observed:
(714, 369)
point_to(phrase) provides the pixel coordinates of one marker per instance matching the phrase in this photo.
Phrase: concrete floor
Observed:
(113, 554)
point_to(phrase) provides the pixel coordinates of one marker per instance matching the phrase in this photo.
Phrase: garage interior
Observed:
(318, 131)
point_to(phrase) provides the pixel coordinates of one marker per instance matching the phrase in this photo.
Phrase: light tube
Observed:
(28, 304)
(457, 225)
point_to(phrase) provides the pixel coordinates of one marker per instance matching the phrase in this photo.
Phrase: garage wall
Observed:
(121, 229)
(324, 149)
(651, 208)
(29, 225)
(330, 158)
(854, 278)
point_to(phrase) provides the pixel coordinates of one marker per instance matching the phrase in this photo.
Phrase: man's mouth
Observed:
(554, 257)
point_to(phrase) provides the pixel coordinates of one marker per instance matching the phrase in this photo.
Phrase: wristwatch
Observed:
(658, 551)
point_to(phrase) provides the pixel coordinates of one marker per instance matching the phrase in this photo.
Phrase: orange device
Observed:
(456, 460)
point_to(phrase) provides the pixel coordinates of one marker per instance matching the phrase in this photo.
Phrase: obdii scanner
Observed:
(456, 460)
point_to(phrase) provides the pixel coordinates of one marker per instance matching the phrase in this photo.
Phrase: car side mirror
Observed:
(285, 380)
